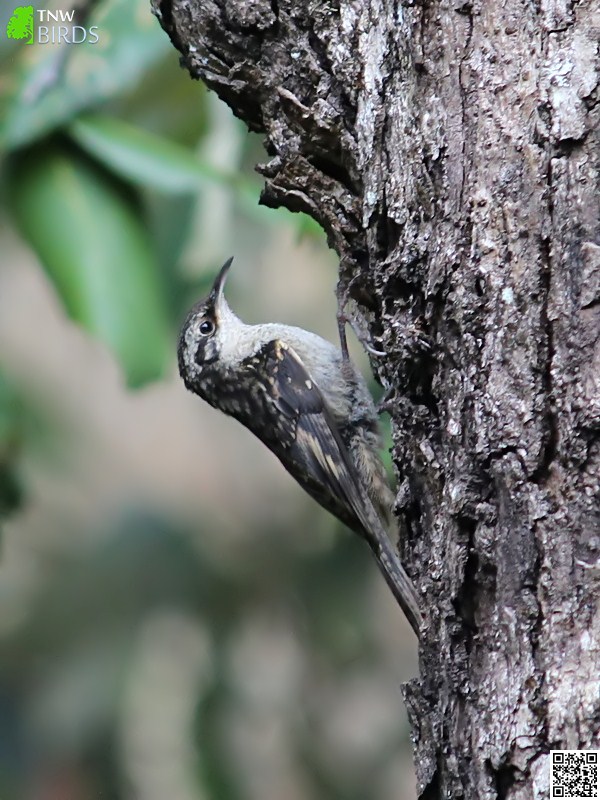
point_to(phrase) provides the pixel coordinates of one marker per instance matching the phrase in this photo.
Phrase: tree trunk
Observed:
(450, 151)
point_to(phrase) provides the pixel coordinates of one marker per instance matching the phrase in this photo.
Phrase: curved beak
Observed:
(216, 293)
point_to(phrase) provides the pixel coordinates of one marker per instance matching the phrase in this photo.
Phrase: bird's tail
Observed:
(398, 581)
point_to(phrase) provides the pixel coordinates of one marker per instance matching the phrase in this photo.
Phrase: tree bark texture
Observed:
(451, 152)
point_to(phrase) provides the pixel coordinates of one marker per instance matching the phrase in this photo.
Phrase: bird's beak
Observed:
(216, 293)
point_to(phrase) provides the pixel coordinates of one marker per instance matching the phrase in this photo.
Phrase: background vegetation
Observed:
(177, 619)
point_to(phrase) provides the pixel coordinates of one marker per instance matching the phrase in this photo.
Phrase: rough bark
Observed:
(450, 150)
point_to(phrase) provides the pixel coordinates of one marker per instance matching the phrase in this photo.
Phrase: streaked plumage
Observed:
(309, 405)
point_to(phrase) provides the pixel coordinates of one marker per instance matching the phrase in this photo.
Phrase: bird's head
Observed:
(202, 334)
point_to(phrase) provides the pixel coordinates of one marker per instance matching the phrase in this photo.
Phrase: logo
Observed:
(21, 25)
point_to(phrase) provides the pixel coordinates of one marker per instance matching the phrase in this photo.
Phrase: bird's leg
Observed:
(386, 403)
(367, 345)
(341, 294)
(343, 320)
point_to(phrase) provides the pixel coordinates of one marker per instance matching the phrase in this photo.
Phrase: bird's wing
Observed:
(301, 431)
(304, 433)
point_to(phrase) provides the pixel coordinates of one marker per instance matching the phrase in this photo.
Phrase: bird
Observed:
(307, 402)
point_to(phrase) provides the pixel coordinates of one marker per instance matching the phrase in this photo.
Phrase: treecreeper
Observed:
(311, 407)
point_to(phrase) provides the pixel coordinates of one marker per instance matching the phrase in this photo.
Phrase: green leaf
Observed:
(153, 162)
(144, 158)
(86, 230)
(49, 84)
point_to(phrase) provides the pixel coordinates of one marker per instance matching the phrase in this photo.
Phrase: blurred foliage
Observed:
(80, 185)
(44, 91)
(138, 664)
(79, 657)
(67, 205)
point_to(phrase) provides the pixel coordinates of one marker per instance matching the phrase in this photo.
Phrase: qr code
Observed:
(574, 774)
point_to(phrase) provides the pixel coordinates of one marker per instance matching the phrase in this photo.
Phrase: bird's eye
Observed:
(206, 327)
